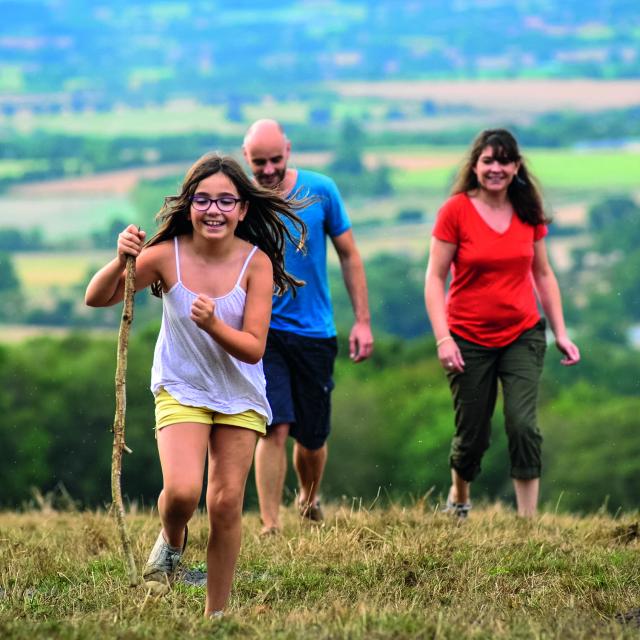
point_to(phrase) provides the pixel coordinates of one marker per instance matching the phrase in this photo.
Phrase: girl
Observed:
(491, 234)
(214, 261)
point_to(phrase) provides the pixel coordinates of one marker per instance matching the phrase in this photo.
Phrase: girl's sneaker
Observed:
(162, 564)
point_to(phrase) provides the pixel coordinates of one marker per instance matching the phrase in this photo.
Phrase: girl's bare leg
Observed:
(183, 450)
(230, 457)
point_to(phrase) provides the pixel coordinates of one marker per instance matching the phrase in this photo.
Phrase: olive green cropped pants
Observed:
(518, 367)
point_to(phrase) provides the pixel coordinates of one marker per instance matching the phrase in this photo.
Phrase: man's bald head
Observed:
(265, 128)
(266, 150)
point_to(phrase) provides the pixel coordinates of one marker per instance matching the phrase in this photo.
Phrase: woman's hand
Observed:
(570, 351)
(450, 356)
(202, 313)
(130, 242)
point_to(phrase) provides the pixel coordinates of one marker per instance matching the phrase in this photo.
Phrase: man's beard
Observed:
(274, 180)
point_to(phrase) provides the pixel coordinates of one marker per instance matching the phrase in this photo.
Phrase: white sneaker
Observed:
(458, 509)
(162, 564)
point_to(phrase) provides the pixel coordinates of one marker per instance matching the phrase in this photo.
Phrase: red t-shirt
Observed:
(491, 299)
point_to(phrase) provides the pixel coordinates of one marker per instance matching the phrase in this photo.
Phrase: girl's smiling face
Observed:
(212, 194)
(494, 172)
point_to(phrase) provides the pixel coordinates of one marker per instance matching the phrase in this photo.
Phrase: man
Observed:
(301, 346)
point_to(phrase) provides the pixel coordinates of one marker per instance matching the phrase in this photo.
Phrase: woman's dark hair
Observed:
(523, 192)
(262, 226)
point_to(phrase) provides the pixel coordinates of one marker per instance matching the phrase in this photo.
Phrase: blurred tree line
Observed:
(392, 415)
(392, 425)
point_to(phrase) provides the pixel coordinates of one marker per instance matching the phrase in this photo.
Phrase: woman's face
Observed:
(494, 173)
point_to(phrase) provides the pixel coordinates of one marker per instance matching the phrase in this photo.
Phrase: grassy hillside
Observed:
(395, 572)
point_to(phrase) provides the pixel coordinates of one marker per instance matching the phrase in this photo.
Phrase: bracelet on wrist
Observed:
(443, 340)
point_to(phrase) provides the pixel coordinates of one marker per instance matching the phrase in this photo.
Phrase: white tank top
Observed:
(193, 367)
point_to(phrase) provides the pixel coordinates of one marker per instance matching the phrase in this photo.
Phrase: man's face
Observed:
(267, 160)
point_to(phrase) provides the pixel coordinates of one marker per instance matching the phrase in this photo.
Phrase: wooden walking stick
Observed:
(118, 423)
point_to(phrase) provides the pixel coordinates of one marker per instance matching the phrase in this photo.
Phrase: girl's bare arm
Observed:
(106, 288)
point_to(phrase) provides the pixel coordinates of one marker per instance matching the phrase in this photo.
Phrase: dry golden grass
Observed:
(391, 572)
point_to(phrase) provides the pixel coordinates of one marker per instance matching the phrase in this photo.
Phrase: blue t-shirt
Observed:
(310, 313)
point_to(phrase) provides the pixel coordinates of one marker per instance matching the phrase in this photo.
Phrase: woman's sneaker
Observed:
(162, 564)
(458, 509)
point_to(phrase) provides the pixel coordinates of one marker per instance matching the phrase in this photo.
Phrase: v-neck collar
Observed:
(498, 233)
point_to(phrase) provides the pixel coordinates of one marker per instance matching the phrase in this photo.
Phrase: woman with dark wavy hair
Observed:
(215, 259)
(490, 235)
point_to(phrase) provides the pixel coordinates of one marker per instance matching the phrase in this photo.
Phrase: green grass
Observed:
(394, 572)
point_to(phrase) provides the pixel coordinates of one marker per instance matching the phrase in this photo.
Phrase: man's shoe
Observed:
(311, 512)
(162, 563)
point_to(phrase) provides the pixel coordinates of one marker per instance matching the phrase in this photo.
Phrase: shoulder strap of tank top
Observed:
(245, 265)
(175, 244)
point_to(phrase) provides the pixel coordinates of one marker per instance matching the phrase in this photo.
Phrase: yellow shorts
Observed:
(170, 411)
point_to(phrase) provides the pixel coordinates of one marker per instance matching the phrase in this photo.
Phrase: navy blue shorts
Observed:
(299, 374)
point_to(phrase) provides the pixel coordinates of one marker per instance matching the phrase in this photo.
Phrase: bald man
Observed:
(301, 345)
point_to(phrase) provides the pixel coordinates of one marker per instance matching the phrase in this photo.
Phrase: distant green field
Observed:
(589, 169)
(413, 180)
(64, 216)
(13, 333)
(184, 117)
(17, 168)
(150, 121)
(39, 273)
(556, 169)
(421, 178)
(175, 118)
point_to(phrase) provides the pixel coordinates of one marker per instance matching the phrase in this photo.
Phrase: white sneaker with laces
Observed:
(458, 509)
(162, 564)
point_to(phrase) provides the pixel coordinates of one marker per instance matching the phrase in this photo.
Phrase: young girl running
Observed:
(214, 261)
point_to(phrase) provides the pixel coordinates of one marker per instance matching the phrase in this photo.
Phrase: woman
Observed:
(490, 233)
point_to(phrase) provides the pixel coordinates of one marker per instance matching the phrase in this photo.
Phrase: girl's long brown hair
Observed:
(523, 192)
(262, 226)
